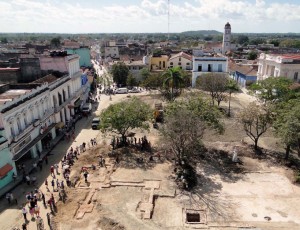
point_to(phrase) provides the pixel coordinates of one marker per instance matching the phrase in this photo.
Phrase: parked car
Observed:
(134, 90)
(121, 90)
(87, 108)
(96, 123)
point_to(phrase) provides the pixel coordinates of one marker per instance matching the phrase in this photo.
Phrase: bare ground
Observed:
(232, 195)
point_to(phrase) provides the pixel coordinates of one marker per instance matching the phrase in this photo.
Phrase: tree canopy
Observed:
(256, 119)
(121, 117)
(231, 87)
(173, 83)
(55, 42)
(273, 88)
(287, 124)
(120, 73)
(215, 84)
(131, 81)
(185, 123)
(241, 39)
(252, 55)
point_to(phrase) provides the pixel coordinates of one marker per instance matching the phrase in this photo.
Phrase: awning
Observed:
(5, 169)
(77, 103)
(32, 143)
(59, 125)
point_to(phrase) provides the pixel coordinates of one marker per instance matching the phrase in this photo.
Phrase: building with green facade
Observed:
(84, 54)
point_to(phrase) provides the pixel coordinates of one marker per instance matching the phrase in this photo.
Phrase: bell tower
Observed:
(226, 38)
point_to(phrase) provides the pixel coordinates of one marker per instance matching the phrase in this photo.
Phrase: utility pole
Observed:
(168, 20)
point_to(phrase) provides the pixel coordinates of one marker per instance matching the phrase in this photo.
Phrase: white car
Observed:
(121, 90)
(134, 90)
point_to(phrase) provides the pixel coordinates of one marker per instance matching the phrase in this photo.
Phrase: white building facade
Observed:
(286, 65)
(28, 122)
(207, 64)
(181, 60)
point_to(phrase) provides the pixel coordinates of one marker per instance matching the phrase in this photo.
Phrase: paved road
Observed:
(11, 215)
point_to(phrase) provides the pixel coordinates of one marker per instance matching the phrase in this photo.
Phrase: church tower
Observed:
(226, 38)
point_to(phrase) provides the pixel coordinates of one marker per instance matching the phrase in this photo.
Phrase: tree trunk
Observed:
(287, 152)
(229, 104)
(256, 144)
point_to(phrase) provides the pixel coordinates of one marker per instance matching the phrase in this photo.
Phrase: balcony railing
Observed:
(23, 133)
(58, 108)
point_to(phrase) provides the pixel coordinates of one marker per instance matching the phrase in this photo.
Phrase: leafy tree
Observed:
(257, 41)
(241, 39)
(173, 80)
(55, 42)
(273, 88)
(131, 81)
(154, 80)
(4, 40)
(208, 38)
(287, 124)
(215, 84)
(185, 123)
(124, 116)
(252, 55)
(256, 119)
(290, 43)
(145, 72)
(120, 73)
(232, 86)
(275, 42)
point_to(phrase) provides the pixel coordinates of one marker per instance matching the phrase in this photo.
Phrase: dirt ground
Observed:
(257, 192)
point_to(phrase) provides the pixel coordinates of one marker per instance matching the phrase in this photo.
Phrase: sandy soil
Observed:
(231, 196)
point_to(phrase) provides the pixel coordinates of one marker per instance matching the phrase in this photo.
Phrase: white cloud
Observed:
(148, 16)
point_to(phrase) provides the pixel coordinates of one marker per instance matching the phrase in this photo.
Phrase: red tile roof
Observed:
(247, 70)
(291, 56)
(182, 54)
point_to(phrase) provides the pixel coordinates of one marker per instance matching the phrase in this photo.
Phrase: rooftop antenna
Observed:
(168, 20)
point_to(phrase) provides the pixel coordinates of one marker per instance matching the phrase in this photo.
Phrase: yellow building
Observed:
(159, 62)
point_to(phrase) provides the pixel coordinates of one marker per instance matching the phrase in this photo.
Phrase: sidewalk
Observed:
(12, 185)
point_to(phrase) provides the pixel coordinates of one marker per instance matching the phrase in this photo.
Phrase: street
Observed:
(11, 214)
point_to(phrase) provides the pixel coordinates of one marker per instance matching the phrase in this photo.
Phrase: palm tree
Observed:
(232, 86)
(173, 80)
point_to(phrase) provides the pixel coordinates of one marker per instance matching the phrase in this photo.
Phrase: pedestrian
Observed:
(37, 210)
(46, 184)
(44, 200)
(8, 197)
(50, 204)
(62, 185)
(52, 184)
(52, 171)
(28, 180)
(46, 159)
(85, 174)
(33, 180)
(24, 226)
(14, 176)
(24, 212)
(56, 168)
(34, 167)
(49, 219)
(13, 199)
(53, 200)
(57, 183)
(83, 146)
(31, 211)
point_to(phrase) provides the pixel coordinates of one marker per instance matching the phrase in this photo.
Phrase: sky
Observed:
(148, 16)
